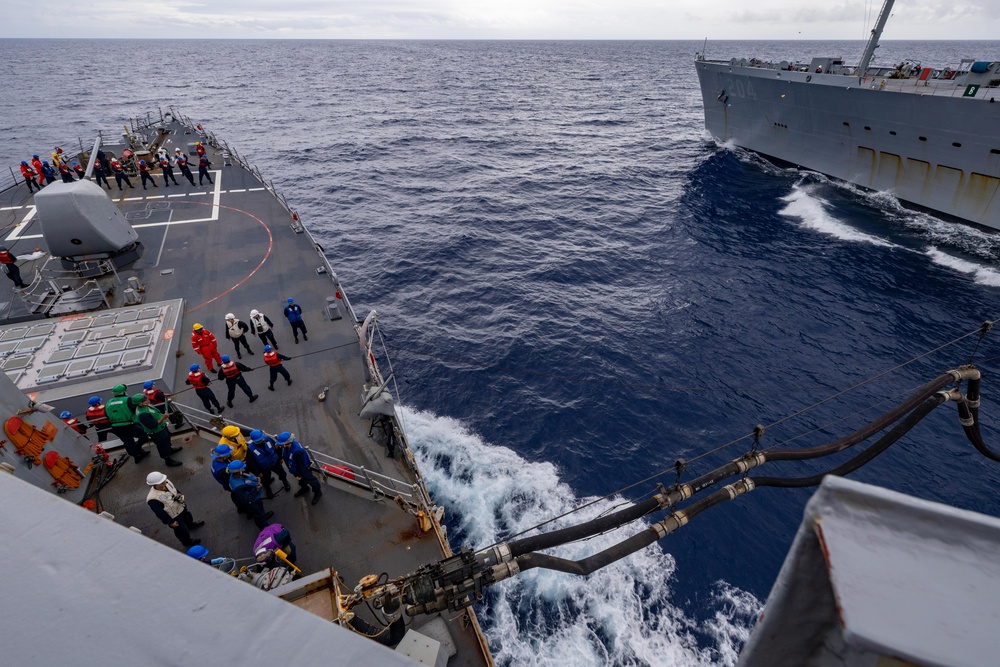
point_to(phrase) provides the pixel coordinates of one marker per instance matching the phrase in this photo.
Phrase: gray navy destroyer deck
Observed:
(931, 136)
(232, 246)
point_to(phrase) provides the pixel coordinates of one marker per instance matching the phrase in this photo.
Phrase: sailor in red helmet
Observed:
(29, 176)
(145, 175)
(204, 343)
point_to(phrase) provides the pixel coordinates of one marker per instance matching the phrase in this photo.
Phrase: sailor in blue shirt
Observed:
(246, 491)
(300, 465)
(265, 452)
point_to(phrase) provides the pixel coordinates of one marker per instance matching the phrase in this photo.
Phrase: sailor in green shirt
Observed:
(152, 421)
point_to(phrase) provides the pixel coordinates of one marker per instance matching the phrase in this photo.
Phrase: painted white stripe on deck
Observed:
(25, 221)
(156, 197)
(131, 199)
(175, 196)
(11, 208)
(256, 189)
(232, 191)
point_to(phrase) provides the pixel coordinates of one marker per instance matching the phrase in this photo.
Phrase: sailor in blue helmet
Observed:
(97, 416)
(200, 382)
(222, 456)
(293, 313)
(145, 175)
(246, 492)
(80, 172)
(159, 401)
(265, 452)
(297, 460)
(73, 422)
(273, 360)
(48, 172)
(232, 372)
(199, 552)
(29, 176)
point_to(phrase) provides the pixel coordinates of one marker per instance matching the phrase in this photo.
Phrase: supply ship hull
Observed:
(930, 137)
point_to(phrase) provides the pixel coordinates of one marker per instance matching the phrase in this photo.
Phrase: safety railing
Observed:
(379, 485)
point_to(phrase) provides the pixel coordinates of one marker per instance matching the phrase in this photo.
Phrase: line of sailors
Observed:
(133, 419)
(38, 173)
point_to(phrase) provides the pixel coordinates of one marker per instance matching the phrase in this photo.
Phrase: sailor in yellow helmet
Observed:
(232, 436)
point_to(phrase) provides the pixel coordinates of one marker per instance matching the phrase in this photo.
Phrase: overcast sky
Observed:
(498, 19)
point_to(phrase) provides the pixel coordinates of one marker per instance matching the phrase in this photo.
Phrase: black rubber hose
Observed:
(387, 636)
(614, 553)
(583, 530)
(866, 431)
(864, 457)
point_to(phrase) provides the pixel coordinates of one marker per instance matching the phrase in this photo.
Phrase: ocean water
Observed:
(579, 287)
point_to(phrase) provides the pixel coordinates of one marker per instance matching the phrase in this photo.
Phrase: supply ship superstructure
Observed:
(928, 135)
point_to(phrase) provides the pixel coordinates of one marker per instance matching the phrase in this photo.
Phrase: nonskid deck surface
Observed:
(229, 247)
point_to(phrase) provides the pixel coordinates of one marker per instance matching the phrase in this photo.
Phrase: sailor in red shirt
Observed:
(182, 163)
(29, 176)
(98, 418)
(65, 173)
(168, 171)
(36, 164)
(204, 343)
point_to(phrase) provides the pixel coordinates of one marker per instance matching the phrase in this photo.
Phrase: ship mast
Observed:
(866, 58)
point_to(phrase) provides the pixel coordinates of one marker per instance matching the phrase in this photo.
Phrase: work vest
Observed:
(238, 445)
(151, 394)
(97, 414)
(6, 257)
(203, 162)
(234, 329)
(156, 414)
(171, 505)
(271, 358)
(63, 168)
(182, 162)
(293, 313)
(296, 458)
(164, 164)
(27, 171)
(259, 325)
(200, 150)
(198, 379)
(265, 453)
(118, 411)
(116, 166)
(143, 167)
(74, 424)
(230, 371)
(80, 171)
(37, 164)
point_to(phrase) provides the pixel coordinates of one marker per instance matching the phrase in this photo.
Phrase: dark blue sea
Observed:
(577, 288)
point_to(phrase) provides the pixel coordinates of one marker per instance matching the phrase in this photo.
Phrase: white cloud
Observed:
(493, 19)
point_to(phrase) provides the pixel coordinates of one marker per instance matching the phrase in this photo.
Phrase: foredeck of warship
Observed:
(229, 247)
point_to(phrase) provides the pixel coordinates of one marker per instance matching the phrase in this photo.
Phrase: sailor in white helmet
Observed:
(170, 507)
(261, 326)
(236, 331)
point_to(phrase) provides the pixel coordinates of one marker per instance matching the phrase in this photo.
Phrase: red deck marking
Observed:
(270, 245)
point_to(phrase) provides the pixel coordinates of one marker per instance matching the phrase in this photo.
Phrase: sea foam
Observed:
(620, 615)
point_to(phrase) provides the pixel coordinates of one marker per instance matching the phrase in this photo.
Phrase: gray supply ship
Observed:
(928, 135)
(114, 283)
